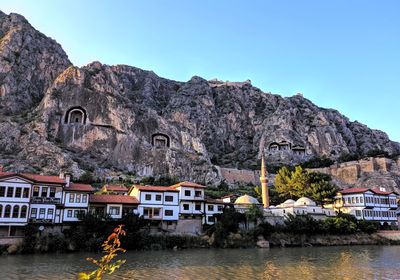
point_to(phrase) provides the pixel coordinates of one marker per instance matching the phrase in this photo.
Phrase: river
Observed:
(356, 262)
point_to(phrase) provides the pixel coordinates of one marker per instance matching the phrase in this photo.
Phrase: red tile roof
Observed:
(378, 191)
(116, 188)
(155, 188)
(34, 177)
(354, 190)
(113, 198)
(188, 184)
(80, 187)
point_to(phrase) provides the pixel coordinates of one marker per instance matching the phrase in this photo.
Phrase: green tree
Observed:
(253, 214)
(301, 182)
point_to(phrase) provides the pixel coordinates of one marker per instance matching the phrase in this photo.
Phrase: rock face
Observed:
(368, 172)
(109, 119)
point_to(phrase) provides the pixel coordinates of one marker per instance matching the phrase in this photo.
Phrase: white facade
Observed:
(368, 204)
(161, 204)
(75, 203)
(212, 208)
(191, 199)
(14, 201)
(46, 201)
(303, 206)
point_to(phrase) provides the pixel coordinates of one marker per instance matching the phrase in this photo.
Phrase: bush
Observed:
(300, 224)
(368, 226)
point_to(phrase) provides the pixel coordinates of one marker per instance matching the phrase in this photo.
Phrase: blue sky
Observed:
(341, 54)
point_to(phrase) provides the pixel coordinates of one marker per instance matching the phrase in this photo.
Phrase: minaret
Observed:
(264, 184)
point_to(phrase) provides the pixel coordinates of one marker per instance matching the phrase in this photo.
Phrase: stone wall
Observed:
(368, 172)
(236, 176)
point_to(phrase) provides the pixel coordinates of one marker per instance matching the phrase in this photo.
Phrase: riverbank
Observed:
(56, 244)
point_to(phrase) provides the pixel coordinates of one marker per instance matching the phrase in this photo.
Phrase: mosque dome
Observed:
(246, 199)
(304, 201)
(287, 203)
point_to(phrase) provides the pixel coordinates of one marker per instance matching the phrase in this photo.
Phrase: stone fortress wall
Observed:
(378, 171)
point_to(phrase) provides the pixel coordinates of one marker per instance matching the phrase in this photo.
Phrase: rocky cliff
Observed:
(110, 119)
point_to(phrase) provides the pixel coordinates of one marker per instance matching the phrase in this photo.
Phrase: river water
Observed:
(356, 262)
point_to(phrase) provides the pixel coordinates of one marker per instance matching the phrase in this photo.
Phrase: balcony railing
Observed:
(46, 200)
(40, 221)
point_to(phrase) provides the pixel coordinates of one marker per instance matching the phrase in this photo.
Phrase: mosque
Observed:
(276, 214)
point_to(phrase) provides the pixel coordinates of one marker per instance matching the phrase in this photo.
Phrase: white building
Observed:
(113, 205)
(302, 206)
(368, 204)
(213, 207)
(191, 200)
(157, 203)
(75, 201)
(244, 202)
(14, 203)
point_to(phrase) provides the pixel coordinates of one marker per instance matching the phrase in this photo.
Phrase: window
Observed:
(10, 191)
(188, 193)
(69, 213)
(220, 208)
(15, 212)
(169, 213)
(146, 211)
(185, 206)
(197, 207)
(358, 213)
(2, 191)
(348, 200)
(84, 198)
(50, 213)
(210, 207)
(156, 211)
(197, 193)
(52, 192)
(158, 197)
(44, 191)
(26, 192)
(76, 212)
(211, 219)
(1, 210)
(114, 210)
(35, 191)
(78, 198)
(18, 192)
(23, 211)
(71, 198)
(353, 200)
(357, 200)
(42, 212)
(169, 198)
(147, 197)
(33, 213)
(7, 211)
(361, 200)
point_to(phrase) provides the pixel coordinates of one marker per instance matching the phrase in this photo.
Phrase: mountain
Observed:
(108, 119)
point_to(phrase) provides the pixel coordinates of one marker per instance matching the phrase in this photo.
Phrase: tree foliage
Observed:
(301, 182)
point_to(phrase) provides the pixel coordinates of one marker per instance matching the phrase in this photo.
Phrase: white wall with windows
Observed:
(114, 210)
(76, 199)
(42, 213)
(72, 214)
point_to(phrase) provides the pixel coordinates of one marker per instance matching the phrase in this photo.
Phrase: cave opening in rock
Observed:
(76, 115)
(160, 140)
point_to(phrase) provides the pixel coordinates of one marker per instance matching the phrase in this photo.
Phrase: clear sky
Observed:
(341, 54)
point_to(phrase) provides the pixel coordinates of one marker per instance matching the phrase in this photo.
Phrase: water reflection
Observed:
(359, 262)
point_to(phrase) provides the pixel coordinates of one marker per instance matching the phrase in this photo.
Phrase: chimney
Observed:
(382, 189)
(62, 175)
(68, 180)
